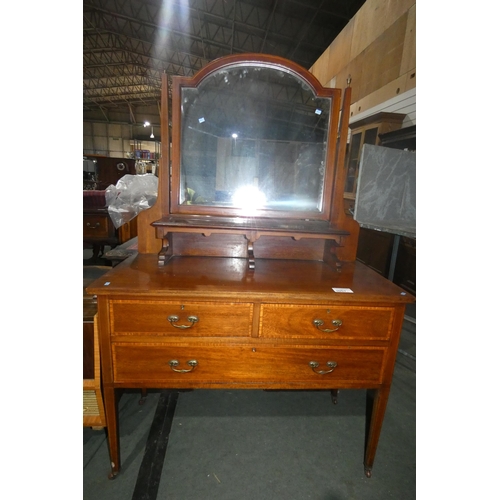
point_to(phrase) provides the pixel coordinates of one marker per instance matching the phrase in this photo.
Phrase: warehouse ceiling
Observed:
(128, 44)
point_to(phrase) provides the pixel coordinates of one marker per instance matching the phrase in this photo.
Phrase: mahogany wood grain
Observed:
(267, 343)
(151, 318)
(291, 321)
(337, 213)
(250, 366)
(273, 280)
(147, 241)
(254, 327)
(127, 231)
(235, 245)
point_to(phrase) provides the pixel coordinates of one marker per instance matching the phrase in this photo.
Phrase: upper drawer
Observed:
(322, 322)
(96, 226)
(170, 318)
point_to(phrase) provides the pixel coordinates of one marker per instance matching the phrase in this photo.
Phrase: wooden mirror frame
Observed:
(330, 224)
(253, 61)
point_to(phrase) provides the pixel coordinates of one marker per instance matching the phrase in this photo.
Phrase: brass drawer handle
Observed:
(97, 225)
(173, 363)
(335, 322)
(173, 318)
(330, 364)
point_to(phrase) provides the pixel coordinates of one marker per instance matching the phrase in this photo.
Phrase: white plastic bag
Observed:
(131, 195)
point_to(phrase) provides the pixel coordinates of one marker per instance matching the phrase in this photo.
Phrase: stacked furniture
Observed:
(98, 228)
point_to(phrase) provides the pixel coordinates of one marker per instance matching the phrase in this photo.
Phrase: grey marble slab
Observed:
(386, 192)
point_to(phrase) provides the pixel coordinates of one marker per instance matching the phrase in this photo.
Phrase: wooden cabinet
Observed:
(366, 131)
(267, 295)
(110, 170)
(99, 231)
(282, 327)
(98, 228)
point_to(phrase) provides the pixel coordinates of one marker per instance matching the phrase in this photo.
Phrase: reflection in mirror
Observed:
(253, 137)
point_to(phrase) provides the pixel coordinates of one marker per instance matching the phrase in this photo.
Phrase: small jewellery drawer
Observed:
(192, 319)
(258, 365)
(95, 226)
(323, 322)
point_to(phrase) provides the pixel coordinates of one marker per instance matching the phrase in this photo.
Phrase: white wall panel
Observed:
(405, 103)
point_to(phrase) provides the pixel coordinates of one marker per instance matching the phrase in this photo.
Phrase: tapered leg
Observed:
(112, 428)
(144, 393)
(335, 394)
(376, 403)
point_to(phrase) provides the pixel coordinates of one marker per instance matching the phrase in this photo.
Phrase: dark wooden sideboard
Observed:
(110, 170)
(98, 228)
(222, 295)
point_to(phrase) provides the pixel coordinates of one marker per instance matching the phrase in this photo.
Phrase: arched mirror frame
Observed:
(217, 231)
(278, 64)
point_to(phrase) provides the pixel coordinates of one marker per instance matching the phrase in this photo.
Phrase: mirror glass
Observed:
(253, 138)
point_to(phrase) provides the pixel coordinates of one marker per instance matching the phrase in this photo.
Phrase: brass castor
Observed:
(113, 472)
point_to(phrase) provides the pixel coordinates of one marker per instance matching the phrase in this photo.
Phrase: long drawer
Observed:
(180, 364)
(170, 318)
(322, 322)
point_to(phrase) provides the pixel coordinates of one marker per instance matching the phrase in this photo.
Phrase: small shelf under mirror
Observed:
(255, 146)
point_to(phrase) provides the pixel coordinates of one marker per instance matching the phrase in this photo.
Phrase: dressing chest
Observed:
(246, 276)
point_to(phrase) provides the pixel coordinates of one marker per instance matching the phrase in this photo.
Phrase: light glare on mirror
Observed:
(249, 199)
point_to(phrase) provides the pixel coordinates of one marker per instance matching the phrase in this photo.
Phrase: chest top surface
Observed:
(272, 280)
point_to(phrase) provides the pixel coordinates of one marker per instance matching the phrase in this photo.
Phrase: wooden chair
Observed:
(93, 406)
